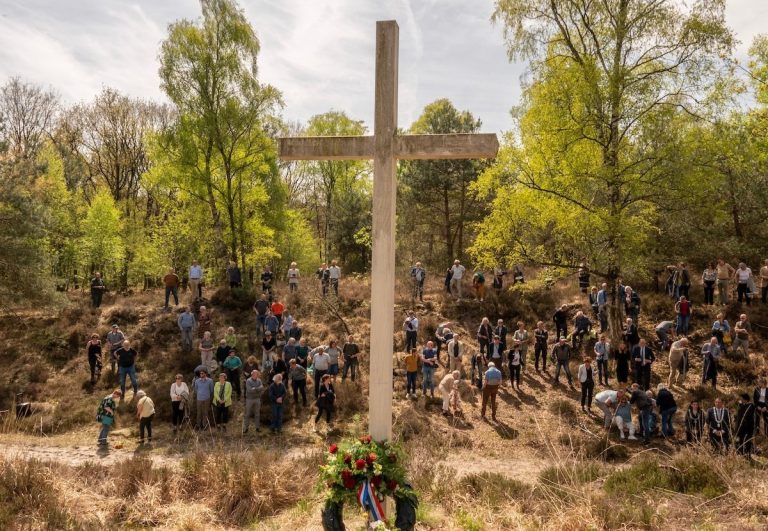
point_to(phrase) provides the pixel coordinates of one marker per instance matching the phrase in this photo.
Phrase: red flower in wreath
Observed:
(376, 481)
(349, 483)
(333, 448)
(346, 474)
(366, 439)
(360, 464)
(391, 484)
(371, 458)
(347, 458)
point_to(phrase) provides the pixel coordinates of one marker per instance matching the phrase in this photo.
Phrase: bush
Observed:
(564, 409)
(561, 480)
(123, 315)
(684, 475)
(239, 299)
(741, 371)
(603, 448)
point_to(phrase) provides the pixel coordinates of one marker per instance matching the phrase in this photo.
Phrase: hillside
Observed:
(544, 464)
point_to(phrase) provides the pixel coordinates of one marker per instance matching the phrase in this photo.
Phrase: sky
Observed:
(319, 53)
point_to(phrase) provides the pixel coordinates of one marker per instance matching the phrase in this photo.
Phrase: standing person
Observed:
(195, 280)
(203, 388)
(683, 310)
(457, 273)
(541, 336)
(665, 401)
(719, 424)
(515, 365)
(267, 277)
(622, 355)
(293, 278)
(583, 277)
(631, 335)
(711, 355)
(490, 390)
(561, 355)
(289, 350)
(455, 350)
(186, 322)
(334, 354)
(498, 279)
(271, 324)
(351, 353)
(171, 282)
(449, 382)
(742, 277)
(517, 275)
(234, 277)
(643, 357)
(221, 352)
(593, 302)
(334, 276)
(268, 348)
(764, 282)
(222, 401)
(602, 307)
(447, 280)
(501, 331)
(602, 348)
(325, 400)
(115, 340)
(760, 398)
(126, 362)
(678, 362)
(418, 275)
(411, 370)
(664, 330)
(105, 415)
(741, 331)
(605, 402)
(684, 277)
(478, 284)
(522, 336)
(724, 273)
(582, 327)
(232, 366)
(443, 335)
(587, 380)
(230, 338)
(644, 406)
(254, 388)
(295, 331)
(719, 330)
(411, 329)
(260, 308)
(484, 335)
(145, 412)
(694, 423)
(709, 278)
(320, 361)
(745, 426)
(324, 276)
(287, 324)
(302, 353)
(204, 321)
(206, 351)
(277, 394)
(631, 303)
(97, 289)
(277, 308)
(560, 317)
(428, 366)
(179, 401)
(93, 349)
(298, 377)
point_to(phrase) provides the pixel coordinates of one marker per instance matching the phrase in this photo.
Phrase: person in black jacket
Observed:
(630, 334)
(540, 346)
(560, 318)
(760, 398)
(325, 399)
(694, 423)
(644, 406)
(642, 358)
(719, 424)
(745, 426)
(667, 409)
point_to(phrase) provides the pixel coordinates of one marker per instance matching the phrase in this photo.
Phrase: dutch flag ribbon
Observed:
(366, 496)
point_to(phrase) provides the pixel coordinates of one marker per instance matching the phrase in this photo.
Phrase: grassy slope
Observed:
(544, 464)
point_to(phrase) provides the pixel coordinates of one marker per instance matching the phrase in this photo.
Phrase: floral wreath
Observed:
(364, 472)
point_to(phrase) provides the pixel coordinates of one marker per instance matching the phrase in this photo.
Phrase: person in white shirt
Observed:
(447, 385)
(321, 362)
(293, 278)
(606, 402)
(457, 273)
(455, 353)
(179, 400)
(335, 276)
(411, 329)
(145, 412)
(743, 275)
(195, 280)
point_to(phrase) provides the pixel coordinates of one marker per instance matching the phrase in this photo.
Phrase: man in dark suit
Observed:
(642, 357)
(501, 331)
(719, 423)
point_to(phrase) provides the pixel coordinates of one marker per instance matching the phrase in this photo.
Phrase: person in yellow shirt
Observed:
(411, 370)
(145, 412)
(222, 401)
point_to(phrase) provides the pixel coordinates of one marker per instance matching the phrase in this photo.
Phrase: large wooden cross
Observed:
(385, 147)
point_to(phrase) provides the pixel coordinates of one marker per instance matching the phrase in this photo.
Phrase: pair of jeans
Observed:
(131, 372)
(709, 292)
(96, 297)
(145, 423)
(186, 338)
(428, 373)
(349, 366)
(252, 412)
(299, 387)
(317, 377)
(410, 340)
(722, 290)
(172, 291)
(646, 418)
(587, 388)
(320, 410)
(177, 414)
(103, 434)
(564, 365)
(514, 374)
(277, 417)
(741, 290)
(410, 382)
(682, 324)
(666, 422)
(602, 371)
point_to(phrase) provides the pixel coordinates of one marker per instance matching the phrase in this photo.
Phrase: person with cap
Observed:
(126, 361)
(115, 339)
(277, 395)
(145, 412)
(321, 361)
(561, 355)
(222, 401)
(491, 389)
(268, 348)
(719, 425)
(93, 350)
(179, 401)
(447, 385)
(745, 425)
(678, 362)
(203, 389)
(455, 351)
(428, 367)
(105, 414)
(298, 378)
(232, 365)
(254, 388)
(186, 323)
(325, 400)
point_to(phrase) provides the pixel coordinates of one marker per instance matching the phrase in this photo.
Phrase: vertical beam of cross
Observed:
(383, 256)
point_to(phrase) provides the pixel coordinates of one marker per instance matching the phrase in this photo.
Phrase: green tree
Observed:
(102, 246)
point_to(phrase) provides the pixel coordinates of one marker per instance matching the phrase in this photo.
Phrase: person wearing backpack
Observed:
(106, 414)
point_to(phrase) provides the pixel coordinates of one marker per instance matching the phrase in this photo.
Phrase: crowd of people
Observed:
(287, 360)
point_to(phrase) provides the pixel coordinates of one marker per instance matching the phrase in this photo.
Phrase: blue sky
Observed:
(318, 52)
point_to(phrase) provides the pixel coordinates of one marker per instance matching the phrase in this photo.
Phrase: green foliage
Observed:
(102, 245)
(687, 476)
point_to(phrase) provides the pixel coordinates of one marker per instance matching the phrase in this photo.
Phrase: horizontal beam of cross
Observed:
(407, 147)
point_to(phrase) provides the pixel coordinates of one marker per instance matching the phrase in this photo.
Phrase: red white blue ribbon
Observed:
(366, 496)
